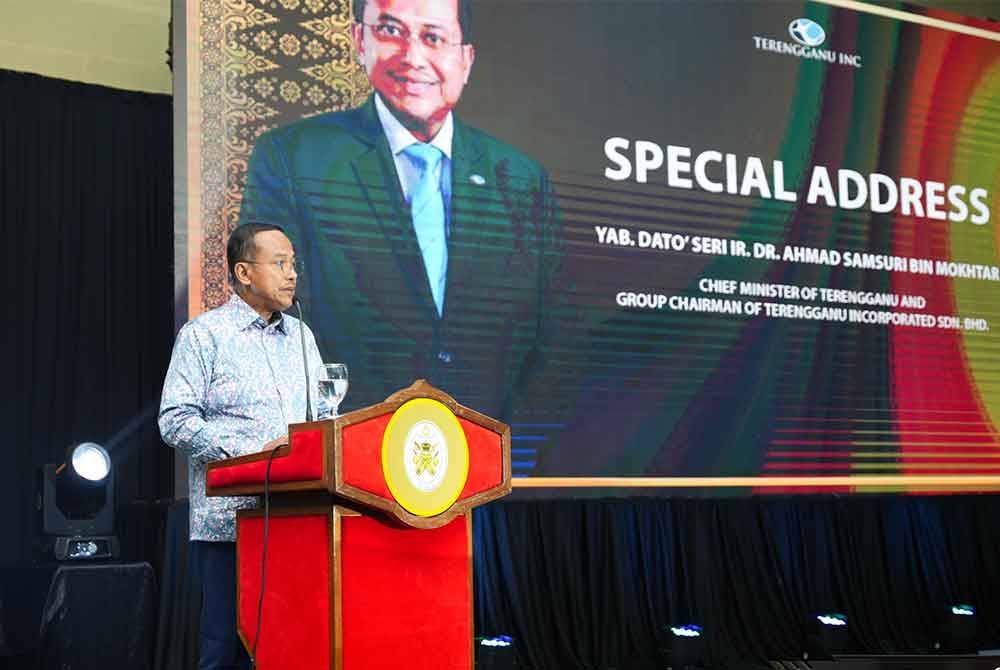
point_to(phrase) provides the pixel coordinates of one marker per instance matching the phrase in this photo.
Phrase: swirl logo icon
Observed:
(807, 32)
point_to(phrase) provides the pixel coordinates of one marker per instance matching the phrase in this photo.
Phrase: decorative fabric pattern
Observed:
(262, 64)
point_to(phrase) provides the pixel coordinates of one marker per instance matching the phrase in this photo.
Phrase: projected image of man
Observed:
(435, 244)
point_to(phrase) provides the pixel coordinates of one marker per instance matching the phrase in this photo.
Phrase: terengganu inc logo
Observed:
(809, 36)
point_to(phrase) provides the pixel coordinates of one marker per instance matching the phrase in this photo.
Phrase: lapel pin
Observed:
(477, 179)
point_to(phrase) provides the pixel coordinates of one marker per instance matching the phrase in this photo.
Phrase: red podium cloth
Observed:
(393, 588)
(303, 463)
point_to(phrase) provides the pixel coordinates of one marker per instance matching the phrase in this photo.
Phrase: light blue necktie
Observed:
(427, 209)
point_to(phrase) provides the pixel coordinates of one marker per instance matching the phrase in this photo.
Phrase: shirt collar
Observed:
(399, 137)
(245, 316)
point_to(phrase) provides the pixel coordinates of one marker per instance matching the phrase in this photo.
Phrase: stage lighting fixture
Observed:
(828, 635)
(495, 653)
(77, 501)
(834, 620)
(687, 646)
(958, 629)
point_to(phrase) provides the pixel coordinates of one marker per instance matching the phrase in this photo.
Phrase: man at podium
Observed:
(234, 384)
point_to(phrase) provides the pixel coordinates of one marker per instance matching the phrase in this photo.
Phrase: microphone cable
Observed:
(267, 493)
(263, 554)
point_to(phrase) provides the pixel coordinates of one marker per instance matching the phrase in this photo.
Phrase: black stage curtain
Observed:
(594, 583)
(86, 218)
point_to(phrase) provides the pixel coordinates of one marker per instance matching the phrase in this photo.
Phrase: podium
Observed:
(369, 539)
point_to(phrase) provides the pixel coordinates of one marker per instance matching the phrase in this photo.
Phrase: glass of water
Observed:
(332, 379)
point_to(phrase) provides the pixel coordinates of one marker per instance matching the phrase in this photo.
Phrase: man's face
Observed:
(413, 53)
(269, 279)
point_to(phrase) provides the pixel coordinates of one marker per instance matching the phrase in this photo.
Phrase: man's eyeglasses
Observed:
(284, 266)
(398, 35)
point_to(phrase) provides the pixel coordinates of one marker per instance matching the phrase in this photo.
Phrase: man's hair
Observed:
(241, 246)
(464, 17)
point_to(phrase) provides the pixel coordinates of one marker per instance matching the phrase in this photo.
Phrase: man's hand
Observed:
(276, 442)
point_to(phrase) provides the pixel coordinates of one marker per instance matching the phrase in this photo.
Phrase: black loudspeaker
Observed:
(686, 647)
(828, 635)
(98, 616)
(957, 630)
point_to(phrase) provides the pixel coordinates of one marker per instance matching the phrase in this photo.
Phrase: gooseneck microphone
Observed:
(305, 360)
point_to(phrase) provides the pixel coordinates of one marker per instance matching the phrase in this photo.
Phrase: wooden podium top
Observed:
(419, 456)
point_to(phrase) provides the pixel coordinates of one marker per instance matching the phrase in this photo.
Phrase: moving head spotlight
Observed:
(78, 510)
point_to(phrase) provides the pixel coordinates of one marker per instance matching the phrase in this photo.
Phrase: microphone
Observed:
(305, 359)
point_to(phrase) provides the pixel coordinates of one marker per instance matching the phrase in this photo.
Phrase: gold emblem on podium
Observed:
(425, 457)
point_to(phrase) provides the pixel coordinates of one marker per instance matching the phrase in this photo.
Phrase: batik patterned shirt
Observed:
(234, 383)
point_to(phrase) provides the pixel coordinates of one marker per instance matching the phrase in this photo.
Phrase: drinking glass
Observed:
(332, 380)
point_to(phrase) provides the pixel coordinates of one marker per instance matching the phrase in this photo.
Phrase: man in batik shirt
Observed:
(234, 384)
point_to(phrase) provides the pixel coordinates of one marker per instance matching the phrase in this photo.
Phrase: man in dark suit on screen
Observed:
(430, 246)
